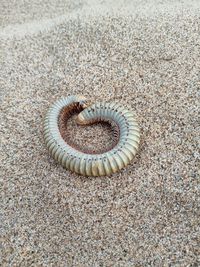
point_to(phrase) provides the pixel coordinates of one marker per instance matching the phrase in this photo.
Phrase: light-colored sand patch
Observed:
(89, 9)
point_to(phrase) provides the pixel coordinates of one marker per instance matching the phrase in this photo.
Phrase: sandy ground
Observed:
(145, 54)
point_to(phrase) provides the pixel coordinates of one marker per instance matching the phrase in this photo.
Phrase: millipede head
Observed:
(82, 100)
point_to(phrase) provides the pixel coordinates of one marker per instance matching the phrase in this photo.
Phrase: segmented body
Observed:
(91, 164)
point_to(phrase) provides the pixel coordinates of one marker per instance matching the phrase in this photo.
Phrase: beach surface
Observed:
(144, 54)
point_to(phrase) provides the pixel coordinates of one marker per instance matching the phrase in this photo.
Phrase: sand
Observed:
(144, 54)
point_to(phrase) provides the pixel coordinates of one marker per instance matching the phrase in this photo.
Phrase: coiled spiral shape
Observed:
(91, 164)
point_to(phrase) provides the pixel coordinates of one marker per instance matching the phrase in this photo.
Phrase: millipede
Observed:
(91, 163)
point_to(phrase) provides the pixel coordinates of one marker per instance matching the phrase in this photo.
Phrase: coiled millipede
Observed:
(91, 164)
